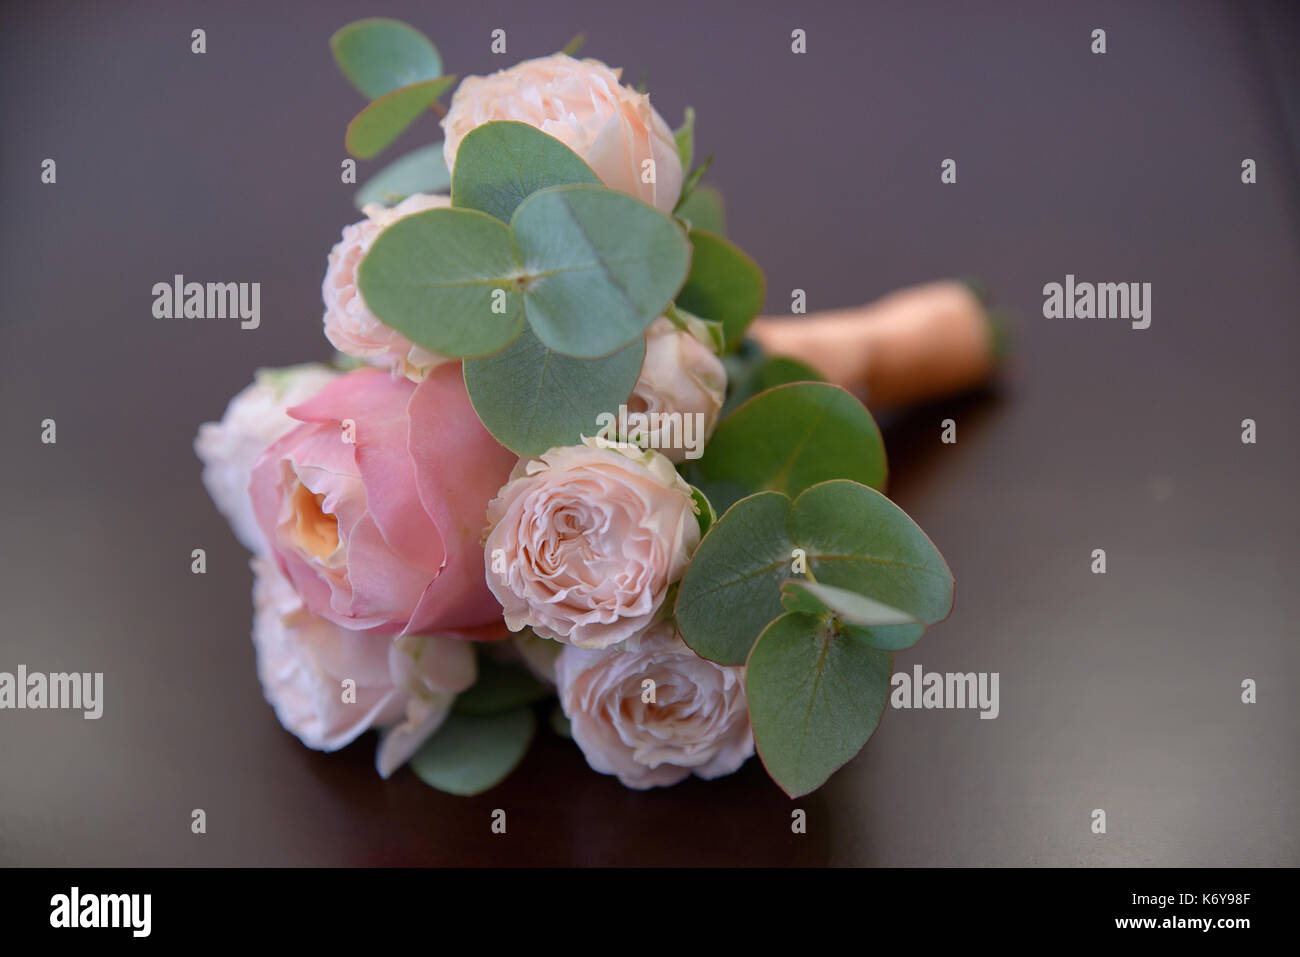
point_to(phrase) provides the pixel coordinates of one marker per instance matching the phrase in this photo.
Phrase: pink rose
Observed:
(350, 326)
(374, 506)
(692, 719)
(583, 105)
(328, 685)
(680, 377)
(586, 540)
(255, 418)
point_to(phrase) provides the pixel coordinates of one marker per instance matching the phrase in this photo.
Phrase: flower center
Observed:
(316, 532)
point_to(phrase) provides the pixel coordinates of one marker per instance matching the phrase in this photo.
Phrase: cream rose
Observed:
(583, 104)
(349, 325)
(680, 375)
(586, 540)
(255, 418)
(405, 685)
(693, 719)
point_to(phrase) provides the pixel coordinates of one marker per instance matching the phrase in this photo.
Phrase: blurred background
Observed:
(1119, 691)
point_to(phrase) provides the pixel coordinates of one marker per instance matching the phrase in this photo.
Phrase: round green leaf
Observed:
(746, 379)
(500, 164)
(703, 209)
(471, 754)
(419, 171)
(790, 438)
(600, 267)
(815, 696)
(732, 587)
(436, 276)
(533, 399)
(851, 537)
(379, 55)
(500, 688)
(383, 121)
(858, 540)
(871, 621)
(724, 285)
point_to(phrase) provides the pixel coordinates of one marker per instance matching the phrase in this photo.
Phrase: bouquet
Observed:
(556, 460)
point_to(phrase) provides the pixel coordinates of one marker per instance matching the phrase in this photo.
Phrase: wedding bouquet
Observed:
(548, 461)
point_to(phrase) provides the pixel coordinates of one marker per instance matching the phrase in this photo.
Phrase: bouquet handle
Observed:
(914, 345)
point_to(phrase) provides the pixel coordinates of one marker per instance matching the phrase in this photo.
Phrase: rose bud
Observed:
(680, 375)
(374, 506)
(583, 104)
(350, 326)
(254, 419)
(693, 719)
(586, 540)
(406, 685)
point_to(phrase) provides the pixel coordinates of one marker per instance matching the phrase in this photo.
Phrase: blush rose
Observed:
(350, 326)
(374, 506)
(255, 418)
(584, 105)
(693, 717)
(586, 540)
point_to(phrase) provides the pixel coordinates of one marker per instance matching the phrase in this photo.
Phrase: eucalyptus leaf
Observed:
(747, 379)
(532, 399)
(815, 696)
(850, 537)
(600, 267)
(419, 171)
(383, 121)
(472, 754)
(704, 210)
(500, 164)
(500, 688)
(724, 285)
(809, 597)
(876, 623)
(706, 515)
(446, 279)
(379, 55)
(732, 587)
(790, 438)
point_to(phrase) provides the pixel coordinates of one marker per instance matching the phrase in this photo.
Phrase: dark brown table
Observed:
(1119, 692)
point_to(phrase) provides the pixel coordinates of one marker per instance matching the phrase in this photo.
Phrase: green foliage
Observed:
(419, 171)
(704, 210)
(383, 120)
(815, 696)
(724, 285)
(379, 56)
(499, 165)
(532, 399)
(789, 438)
(472, 754)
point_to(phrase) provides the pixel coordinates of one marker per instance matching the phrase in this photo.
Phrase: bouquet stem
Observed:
(918, 344)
